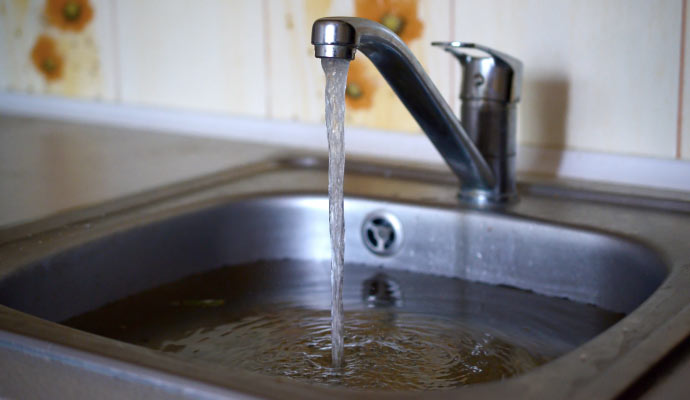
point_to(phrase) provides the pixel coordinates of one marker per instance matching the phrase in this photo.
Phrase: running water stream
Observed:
(336, 79)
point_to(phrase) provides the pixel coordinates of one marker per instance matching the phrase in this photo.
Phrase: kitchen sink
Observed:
(621, 250)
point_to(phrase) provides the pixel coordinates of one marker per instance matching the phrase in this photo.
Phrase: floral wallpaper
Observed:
(69, 15)
(65, 15)
(47, 59)
(254, 58)
(401, 17)
(51, 47)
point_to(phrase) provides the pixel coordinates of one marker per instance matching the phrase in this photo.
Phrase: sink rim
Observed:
(677, 280)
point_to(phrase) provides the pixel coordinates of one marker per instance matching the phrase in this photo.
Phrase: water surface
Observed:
(404, 330)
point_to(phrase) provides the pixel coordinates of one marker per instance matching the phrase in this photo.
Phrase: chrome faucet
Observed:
(484, 160)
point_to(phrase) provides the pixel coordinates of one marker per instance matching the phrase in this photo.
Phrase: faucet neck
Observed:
(333, 37)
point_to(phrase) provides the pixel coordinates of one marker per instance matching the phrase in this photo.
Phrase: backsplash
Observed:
(603, 76)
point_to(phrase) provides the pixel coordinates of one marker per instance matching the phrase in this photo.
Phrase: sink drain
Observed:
(382, 233)
(381, 291)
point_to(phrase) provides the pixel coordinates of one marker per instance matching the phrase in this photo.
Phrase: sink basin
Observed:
(624, 252)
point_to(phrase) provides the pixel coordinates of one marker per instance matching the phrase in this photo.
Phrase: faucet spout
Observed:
(341, 37)
(334, 38)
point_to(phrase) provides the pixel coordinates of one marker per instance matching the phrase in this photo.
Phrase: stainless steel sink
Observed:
(622, 250)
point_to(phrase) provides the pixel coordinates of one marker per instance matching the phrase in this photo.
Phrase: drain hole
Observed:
(381, 291)
(372, 238)
(382, 233)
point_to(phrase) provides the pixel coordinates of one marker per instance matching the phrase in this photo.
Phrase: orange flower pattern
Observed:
(400, 16)
(71, 15)
(359, 89)
(46, 58)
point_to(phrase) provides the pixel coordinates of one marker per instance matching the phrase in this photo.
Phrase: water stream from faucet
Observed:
(336, 79)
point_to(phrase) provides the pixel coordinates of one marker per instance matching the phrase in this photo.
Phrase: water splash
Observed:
(336, 79)
(386, 349)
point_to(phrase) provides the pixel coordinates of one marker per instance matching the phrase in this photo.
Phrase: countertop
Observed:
(47, 167)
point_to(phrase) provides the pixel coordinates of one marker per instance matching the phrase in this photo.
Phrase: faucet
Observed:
(484, 159)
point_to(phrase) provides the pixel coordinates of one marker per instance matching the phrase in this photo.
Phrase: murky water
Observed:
(404, 330)
(336, 79)
(384, 349)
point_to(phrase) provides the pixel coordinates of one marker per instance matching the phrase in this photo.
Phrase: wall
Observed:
(601, 76)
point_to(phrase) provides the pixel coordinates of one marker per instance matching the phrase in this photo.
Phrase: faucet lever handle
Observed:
(497, 77)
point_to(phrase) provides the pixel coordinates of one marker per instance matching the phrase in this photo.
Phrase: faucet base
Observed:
(486, 198)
